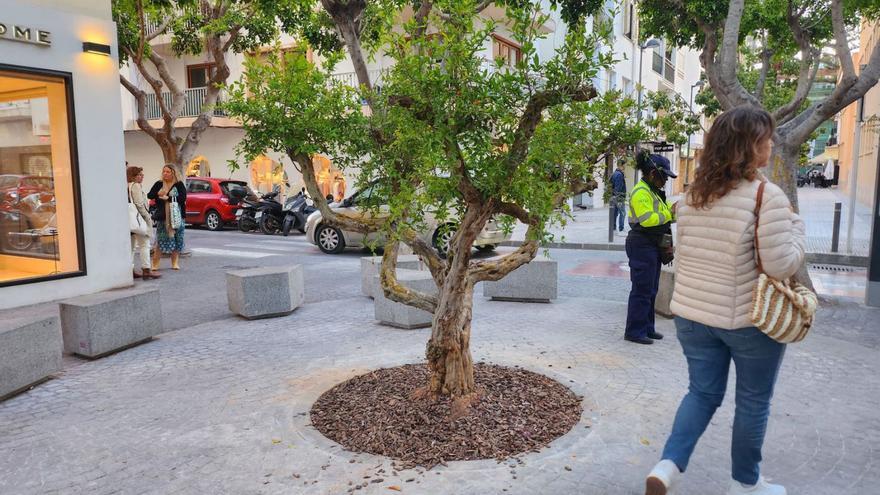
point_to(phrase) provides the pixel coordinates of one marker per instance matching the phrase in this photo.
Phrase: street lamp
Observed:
(651, 43)
(687, 167)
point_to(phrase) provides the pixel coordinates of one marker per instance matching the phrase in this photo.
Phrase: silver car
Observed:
(333, 240)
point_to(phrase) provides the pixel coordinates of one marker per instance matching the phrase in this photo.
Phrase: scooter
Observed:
(246, 215)
(270, 213)
(296, 213)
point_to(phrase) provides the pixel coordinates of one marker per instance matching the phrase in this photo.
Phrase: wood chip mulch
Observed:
(381, 412)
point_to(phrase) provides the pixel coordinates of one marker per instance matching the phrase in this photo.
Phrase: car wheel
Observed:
(268, 224)
(487, 248)
(442, 237)
(213, 221)
(329, 239)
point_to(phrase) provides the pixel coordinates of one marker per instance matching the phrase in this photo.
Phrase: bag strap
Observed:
(129, 192)
(758, 202)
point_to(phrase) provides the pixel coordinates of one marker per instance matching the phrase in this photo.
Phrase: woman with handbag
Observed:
(140, 222)
(170, 196)
(721, 257)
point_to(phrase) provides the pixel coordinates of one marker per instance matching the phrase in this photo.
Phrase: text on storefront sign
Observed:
(25, 34)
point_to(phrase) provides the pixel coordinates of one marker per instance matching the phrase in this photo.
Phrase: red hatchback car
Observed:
(208, 201)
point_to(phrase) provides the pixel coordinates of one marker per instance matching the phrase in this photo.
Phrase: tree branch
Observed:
(394, 291)
(841, 45)
(766, 55)
(808, 70)
(140, 97)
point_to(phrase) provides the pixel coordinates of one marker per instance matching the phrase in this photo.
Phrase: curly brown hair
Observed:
(729, 154)
(132, 172)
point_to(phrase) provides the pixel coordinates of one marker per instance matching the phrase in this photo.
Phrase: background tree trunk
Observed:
(448, 350)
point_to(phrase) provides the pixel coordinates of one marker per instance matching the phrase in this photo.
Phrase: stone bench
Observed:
(664, 292)
(400, 315)
(535, 281)
(370, 271)
(30, 351)
(99, 324)
(265, 292)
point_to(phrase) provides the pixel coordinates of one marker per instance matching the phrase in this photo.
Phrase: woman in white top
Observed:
(715, 276)
(140, 243)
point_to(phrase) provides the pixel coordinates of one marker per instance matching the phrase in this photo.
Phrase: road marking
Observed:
(295, 240)
(229, 252)
(290, 248)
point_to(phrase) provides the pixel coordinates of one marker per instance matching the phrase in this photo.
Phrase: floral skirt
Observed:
(169, 244)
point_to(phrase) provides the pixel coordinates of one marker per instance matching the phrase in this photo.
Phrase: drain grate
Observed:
(832, 268)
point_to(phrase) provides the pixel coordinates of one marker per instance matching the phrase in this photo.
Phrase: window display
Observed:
(39, 207)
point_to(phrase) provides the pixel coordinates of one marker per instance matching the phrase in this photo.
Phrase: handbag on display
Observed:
(782, 309)
(136, 224)
(176, 218)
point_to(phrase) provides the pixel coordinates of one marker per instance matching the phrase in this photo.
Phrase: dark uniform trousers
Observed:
(644, 273)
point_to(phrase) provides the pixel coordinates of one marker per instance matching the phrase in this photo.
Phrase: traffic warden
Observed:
(648, 245)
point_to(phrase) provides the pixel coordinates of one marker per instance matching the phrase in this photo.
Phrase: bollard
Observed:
(611, 220)
(835, 233)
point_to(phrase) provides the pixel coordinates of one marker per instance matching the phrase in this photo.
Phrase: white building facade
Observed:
(63, 218)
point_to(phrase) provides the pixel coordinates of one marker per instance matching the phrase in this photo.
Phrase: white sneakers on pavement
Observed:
(661, 478)
(760, 488)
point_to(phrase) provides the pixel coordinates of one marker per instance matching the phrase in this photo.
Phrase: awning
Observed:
(829, 154)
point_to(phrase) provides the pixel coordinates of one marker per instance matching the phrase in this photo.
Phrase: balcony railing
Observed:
(194, 100)
(350, 78)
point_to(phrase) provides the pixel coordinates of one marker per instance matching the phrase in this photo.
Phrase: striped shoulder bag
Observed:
(782, 309)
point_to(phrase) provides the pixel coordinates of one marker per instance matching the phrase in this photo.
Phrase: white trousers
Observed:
(140, 243)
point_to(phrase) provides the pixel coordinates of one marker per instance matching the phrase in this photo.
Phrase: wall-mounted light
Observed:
(96, 48)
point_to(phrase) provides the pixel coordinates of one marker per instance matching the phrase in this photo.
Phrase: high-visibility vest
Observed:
(648, 209)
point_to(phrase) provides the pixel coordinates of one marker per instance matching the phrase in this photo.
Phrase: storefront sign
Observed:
(25, 34)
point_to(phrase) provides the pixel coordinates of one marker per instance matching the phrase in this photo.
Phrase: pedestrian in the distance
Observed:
(618, 195)
(140, 243)
(169, 224)
(715, 276)
(648, 245)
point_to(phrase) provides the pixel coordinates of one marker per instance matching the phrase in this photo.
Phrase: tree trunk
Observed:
(783, 173)
(449, 353)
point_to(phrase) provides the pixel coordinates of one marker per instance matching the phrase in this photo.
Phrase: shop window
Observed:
(40, 222)
(330, 179)
(507, 51)
(268, 175)
(198, 167)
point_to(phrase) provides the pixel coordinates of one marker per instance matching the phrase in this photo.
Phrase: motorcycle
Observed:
(246, 215)
(270, 213)
(296, 213)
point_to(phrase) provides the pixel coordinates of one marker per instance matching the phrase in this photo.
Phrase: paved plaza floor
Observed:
(220, 405)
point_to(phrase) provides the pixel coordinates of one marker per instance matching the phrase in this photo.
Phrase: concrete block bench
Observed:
(265, 292)
(370, 271)
(99, 324)
(664, 292)
(400, 315)
(30, 351)
(535, 281)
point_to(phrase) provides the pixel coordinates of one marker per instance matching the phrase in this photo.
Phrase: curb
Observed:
(816, 258)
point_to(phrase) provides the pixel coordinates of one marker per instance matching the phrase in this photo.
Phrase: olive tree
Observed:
(452, 137)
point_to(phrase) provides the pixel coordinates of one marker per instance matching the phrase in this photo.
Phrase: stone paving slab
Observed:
(222, 407)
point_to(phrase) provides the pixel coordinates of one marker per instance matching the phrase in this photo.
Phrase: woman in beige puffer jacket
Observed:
(715, 276)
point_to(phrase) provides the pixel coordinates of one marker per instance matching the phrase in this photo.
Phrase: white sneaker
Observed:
(661, 478)
(760, 488)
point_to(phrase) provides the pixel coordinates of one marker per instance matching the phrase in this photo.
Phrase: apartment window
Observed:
(40, 215)
(610, 80)
(663, 62)
(629, 19)
(506, 50)
(627, 86)
(197, 76)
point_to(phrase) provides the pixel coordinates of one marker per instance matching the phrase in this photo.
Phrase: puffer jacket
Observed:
(715, 266)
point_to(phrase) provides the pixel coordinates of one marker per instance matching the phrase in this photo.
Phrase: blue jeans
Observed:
(619, 214)
(708, 351)
(644, 273)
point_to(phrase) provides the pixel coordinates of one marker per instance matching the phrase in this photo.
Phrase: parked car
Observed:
(209, 201)
(332, 240)
(15, 187)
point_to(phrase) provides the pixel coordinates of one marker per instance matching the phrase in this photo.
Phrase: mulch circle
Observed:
(381, 412)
